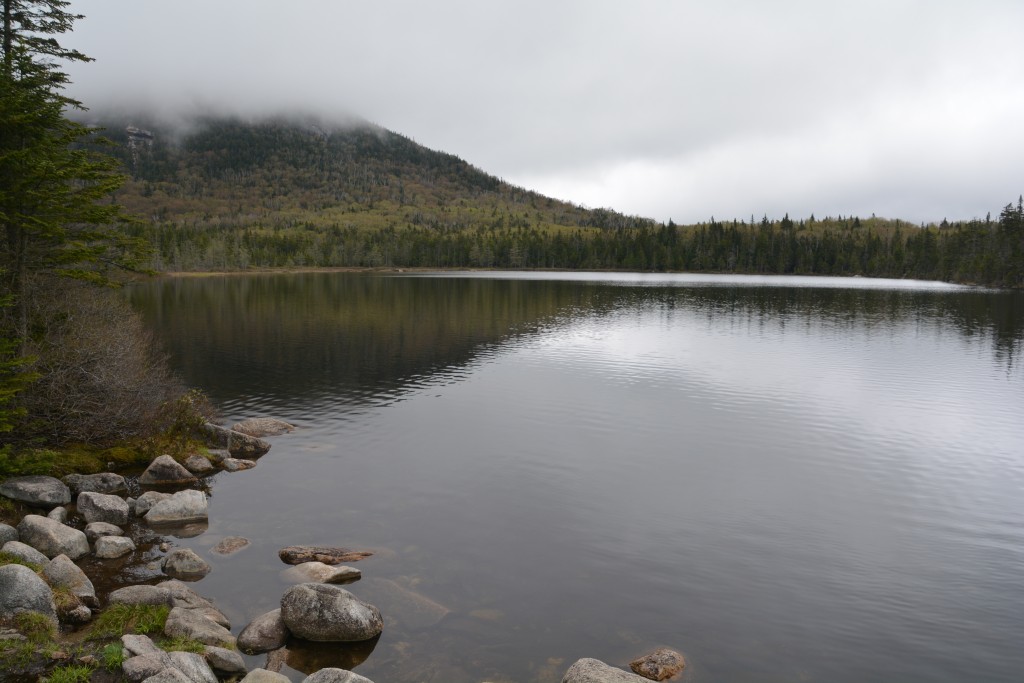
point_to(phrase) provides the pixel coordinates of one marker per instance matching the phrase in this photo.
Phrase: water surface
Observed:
(787, 479)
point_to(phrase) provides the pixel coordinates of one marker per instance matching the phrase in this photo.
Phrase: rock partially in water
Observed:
(21, 590)
(237, 465)
(264, 676)
(185, 564)
(230, 545)
(104, 482)
(596, 671)
(112, 547)
(61, 572)
(297, 554)
(95, 530)
(7, 533)
(318, 572)
(324, 612)
(181, 508)
(37, 490)
(186, 623)
(264, 633)
(25, 552)
(197, 464)
(102, 507)
(225, 662)
(52, 538)
(331, 675)
(140, 595)
(262, 426)
(239, 445)
(658, 665)
(166, 471)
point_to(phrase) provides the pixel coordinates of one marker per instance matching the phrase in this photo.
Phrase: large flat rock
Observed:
(37, 490)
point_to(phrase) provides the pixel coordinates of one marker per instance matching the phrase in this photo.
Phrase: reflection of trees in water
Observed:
(364, 334)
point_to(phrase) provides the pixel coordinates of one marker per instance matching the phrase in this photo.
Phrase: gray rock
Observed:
(658, 665)
(230, 545)
(37, 490)
(262, 426)
(237, 465)
(181, 508)
(264, 676)
(169, 675)
(58, 514)
(217, 455)
(225, 662)
(21, 590)
(188, 623)
(77, 615)
(141, 667)
(194, 666)
(197, 464)
(104, 482)
(297, 554)
(7, 533)
(140, 595)
(238, 445)
(264, 633)
(102, 507)
(61, 572)
(138, 645)
(112, 547)
(324, 612)
(318, 572)
(166, 471)
(183, 563)
(94, 530)
(185, 597)
(147, 500)
(25, 552)
(52, 538)
(332, 675)
(596, 671)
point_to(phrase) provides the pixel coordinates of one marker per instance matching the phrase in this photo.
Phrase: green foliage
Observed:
(181, 644)
(72, 673)
(21, 463)
(7, 558)
(35, 627)
(112, 656)
(119, 619)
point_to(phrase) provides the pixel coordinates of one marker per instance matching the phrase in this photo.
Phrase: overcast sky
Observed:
(679, 109)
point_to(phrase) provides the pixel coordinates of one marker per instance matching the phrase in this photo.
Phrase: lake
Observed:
(787, 479)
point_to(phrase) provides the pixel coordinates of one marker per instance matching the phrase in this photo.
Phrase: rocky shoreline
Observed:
(86, 517)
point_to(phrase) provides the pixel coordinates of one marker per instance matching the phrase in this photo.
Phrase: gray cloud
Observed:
(667, 109)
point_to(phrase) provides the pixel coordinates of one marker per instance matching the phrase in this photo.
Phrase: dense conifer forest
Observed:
(229, 194)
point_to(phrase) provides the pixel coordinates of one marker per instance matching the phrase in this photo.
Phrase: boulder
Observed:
(166, 471)
(138, 645)
(7, 533)
(230, 545)
(226, 662)
(58, 514)
(264, 676)
(147, 500)
(262, 426)
(185, 564)
(169, 675)
(194, 666)
(21, 590)
(94, 530)
(237, 465)
(658, 665)
(74, 614)
(186, 623)
(331, 675)
(52, 538)
(197, 464)
(297, 554)
(181, 508)
(142, 667)
(140, 595)
(25, 552)
(112, 547)
(239, 445)
(328, 613)
(102, 507)
(264, 633)
(318, 572)
(596, 671)
(104, 482)
(61, 572)
(184, 597)
(37, 490)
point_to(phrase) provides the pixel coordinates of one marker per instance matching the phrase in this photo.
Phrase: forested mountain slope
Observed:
(225, 193)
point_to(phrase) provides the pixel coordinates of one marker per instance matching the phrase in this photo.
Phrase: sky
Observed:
(673, 109)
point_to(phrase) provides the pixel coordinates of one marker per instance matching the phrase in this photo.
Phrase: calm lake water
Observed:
(787, 479)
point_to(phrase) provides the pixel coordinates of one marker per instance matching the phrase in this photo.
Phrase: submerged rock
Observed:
(262, 426)
(324, 612)
(297, 554)
(318, 572)
(658, 665)
(403, 605)
(230, 545)
(53, 538)
(596, 671)
(37, 490)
